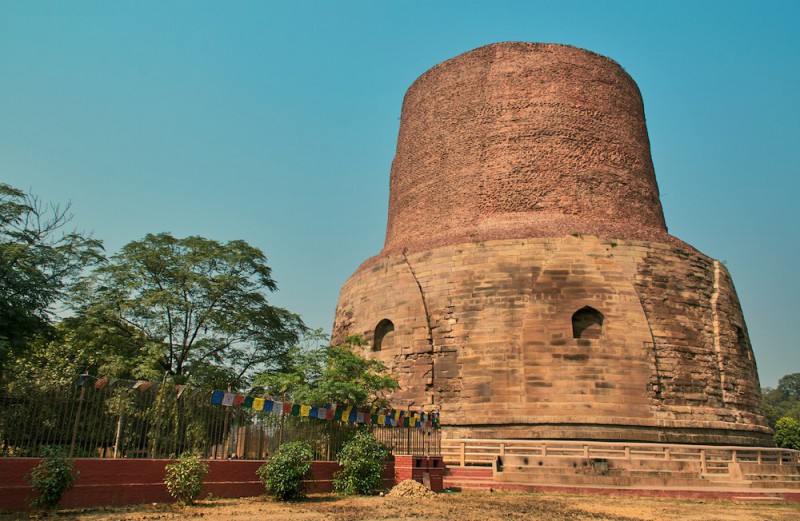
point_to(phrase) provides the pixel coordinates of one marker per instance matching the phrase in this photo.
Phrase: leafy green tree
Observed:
(300, 371)
(784, 400)
(336, 374)
(787, 433)
(40, 261)
(192, 307)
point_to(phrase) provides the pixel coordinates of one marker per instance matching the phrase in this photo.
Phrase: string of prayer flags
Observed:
(330, 412)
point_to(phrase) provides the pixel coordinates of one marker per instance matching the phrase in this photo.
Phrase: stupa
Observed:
(528, 287)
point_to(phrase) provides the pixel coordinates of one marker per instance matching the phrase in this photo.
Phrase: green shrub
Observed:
(51, 478)
(283, 472)
(184, 478)
(362, 459)
(787, 433)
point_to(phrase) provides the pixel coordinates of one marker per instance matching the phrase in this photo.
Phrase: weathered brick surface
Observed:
(522, 140)
(523, 191)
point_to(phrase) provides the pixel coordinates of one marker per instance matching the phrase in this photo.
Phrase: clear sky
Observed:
(276, 122)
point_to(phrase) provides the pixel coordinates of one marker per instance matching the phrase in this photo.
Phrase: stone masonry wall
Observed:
(483, 332)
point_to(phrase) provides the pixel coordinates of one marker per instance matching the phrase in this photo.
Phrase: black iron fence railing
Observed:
(161, 421)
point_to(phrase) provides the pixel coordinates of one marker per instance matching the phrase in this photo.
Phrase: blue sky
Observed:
(276, 122)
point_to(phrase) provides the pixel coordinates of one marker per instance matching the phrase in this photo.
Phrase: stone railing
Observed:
(483, 452)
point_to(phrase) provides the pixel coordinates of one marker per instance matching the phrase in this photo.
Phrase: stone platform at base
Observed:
(481, 478)
(752, 474)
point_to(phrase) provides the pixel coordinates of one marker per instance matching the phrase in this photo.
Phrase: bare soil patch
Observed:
(464, 506)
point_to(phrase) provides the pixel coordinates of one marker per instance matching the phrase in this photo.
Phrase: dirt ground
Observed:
(462, 506)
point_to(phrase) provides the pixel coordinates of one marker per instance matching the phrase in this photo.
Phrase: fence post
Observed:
(77, 419)
(667, 455)
(627, 452)
(586, 451)
(502, 449)
(703, 463)
(118, 436)
(463, 458)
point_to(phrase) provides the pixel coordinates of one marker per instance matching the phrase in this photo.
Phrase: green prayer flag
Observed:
(248, 402)
(338, 415)
(295, 409)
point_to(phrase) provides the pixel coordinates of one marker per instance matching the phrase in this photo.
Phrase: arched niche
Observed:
(587, 323)
(384, 335)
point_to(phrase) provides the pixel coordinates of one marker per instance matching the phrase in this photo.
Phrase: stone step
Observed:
(767, 499)
(773, 477)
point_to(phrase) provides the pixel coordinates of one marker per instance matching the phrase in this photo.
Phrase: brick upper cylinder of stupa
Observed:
(516, 140)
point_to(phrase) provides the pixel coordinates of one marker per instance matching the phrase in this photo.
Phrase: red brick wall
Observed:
(522, 140)
(123, 481)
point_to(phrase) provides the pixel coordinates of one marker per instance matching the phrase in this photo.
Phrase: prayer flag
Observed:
(353, 416)
(216, 397)
(315, 412)
(228, 399)
(99, 384)
(258, 404)
(287, 408)
(359, 417)
(381, 419)
(296, 409)
(305, 411)
(277, 407)
(238, 400)
(337, 415)
(248, 402)
(268, 404)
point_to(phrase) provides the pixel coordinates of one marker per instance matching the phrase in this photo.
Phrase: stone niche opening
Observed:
(384, 335)
(587, 323)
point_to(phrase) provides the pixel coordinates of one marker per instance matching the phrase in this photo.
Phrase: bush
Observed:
(184, 478)
(787, 433)
(283, 472)
(51, 478)
(362, 459)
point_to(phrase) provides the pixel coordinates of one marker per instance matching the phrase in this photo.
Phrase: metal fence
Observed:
(122, 420)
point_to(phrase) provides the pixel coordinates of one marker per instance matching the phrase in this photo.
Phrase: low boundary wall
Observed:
(130, 481)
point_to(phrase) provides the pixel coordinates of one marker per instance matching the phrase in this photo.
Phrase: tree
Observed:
(784, 400)
(197, 307)
(787, 433)
(335, 374)
(39, 263)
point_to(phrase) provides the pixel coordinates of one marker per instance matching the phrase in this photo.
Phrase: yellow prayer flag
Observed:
(381, 419)
(305, 410)
(258, 404)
